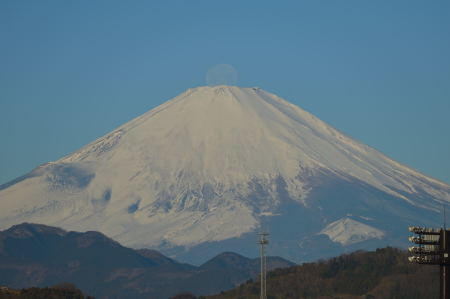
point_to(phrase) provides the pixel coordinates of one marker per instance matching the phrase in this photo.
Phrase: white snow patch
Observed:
(268, 214)
(347, 231)
(366, 218)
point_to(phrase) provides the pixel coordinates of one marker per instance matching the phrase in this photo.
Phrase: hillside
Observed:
(38, 255)
(384, 273)
(61, 291)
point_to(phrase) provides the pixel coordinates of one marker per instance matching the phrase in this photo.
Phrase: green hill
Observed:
(384, 273)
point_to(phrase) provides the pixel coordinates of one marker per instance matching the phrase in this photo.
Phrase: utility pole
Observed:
(263, 241)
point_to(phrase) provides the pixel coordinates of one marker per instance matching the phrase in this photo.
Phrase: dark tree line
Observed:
(61, 291)
(384, 273)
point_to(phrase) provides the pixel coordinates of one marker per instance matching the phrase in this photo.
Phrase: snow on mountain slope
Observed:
(206, 165)
(348, 231)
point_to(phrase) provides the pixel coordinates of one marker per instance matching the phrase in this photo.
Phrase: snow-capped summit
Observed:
(211, 165)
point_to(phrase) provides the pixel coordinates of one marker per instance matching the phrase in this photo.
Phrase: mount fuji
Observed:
(203, 172)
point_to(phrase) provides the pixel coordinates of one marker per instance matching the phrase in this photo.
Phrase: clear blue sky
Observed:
(71, 71)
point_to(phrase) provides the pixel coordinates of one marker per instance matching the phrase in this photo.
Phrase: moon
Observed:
(221, 74)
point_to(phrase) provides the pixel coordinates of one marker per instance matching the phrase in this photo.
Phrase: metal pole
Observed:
(265, 273)
(444, 266)
(263, 242)
(262, 270)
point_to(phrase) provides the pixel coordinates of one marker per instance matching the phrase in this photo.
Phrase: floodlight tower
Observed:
(433, 249)
(263, 241)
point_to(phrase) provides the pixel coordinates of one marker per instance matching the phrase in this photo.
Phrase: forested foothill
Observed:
(60, 291)
(384, 273)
